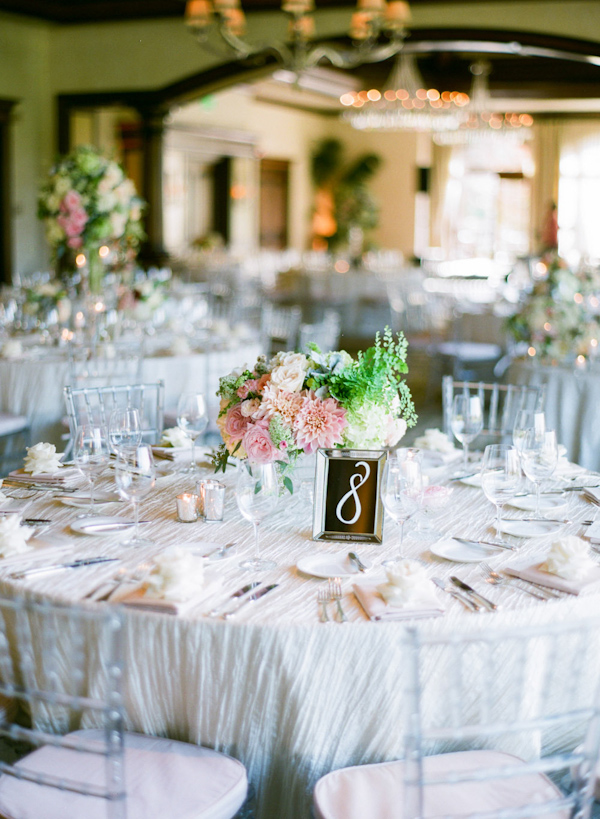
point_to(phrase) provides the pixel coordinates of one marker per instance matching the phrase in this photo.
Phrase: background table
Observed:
(290, 697)
(572, 406)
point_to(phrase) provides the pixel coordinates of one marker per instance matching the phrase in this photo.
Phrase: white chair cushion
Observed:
(376, 791)
(165, 779)
(9, 424)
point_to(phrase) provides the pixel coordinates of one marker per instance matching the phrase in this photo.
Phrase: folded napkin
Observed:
(434, 440)
(565, 469)
(592, 494)
(377, 609)
(67, 476)
(568, 567)
(182, 454)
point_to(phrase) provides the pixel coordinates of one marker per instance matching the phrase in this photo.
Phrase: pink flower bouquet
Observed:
(299, 403)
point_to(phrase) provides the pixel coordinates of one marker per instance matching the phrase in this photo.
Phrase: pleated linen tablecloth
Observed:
(290, 697)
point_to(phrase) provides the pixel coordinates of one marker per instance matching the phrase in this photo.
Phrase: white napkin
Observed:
(377, 609)
(593, 494)
(41, 459)
(12, 348)
(568, 567)
(174, 437)
(66, 477)
(13, 536)
(183, 454)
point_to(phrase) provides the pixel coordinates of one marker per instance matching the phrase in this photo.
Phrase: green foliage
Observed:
(326, 161)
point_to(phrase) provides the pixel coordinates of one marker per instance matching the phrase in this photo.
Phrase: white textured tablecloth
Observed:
(290, 697)
(572, 406)
(34, 386)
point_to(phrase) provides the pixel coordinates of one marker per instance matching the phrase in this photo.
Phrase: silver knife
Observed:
(37, 486)
(474, 594)
(107, 527)
(484, 543)
(76, 564)
(252, 598)
(239, 593)
(460, 596)
(357, 561)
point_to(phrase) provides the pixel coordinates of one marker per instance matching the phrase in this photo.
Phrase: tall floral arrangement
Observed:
(559, 317)
(86, 202)
(296, 403)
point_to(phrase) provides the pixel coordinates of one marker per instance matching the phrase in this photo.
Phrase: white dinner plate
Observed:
(472, 480)
(529, 528)
(84, 500)
(458, 552)
(320, 565)
(86, 526)
(548, 503)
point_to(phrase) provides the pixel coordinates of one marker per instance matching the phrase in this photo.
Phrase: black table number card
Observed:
(347, 497)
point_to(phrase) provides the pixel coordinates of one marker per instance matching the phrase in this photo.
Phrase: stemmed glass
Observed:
(526, 420)
(135, 476)
(124, 428)
(192, 418)
(257, 495)
(401, 493)
(466, 422)
(500, 477)
(91, 456)
(539, 457)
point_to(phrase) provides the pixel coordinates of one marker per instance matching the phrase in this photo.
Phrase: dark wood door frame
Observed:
(6, 233)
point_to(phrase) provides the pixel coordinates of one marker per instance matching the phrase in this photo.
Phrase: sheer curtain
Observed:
(544, 190)
(579, 191)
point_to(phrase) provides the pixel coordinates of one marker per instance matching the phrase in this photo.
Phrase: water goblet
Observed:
(91, 456)
(192, 418)
(500, 477)
(525, 420)
(124, 428)
(539, 457)
(135, 476)
(466, 422)
(402, 490)
(257, 496)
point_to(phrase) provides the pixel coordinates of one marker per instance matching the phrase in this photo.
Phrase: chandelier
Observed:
(481, 123)
(377, 31)
(405, 103)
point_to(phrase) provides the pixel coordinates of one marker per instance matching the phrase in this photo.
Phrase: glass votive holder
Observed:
(187, 507)
(212, 500)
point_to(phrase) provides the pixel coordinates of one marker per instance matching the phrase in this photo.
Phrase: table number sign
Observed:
(347, 498)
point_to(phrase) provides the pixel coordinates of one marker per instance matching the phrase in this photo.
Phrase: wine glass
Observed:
(257, 495)
(525, 420)
(500, 476)
(466, 422)
(539, 457)
(124, 428)
(91, 456)
(402, 490)
(135, 476)
(192, 418)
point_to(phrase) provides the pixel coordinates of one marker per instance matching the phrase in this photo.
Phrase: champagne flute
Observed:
(500, 477)
(124, 428)
(466, 422)
(135, 476)
(257, 495)
(192, 418)
(539, 457)
(402, 490)
(91, 456)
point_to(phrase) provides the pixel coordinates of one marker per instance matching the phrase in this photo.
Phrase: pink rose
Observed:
(235, 424)
(75, 242)
(259, 446)
(71, 200)
(248, 386)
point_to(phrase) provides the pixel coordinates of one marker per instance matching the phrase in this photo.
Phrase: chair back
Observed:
(105, 364)
(95, 404)
(63, 666)
(325, 334)
(279, 327)
(501, 404)
(502, 687)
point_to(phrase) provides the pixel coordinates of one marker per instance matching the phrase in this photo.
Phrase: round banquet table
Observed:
(571, 406)
(290, 697)
(33, 385)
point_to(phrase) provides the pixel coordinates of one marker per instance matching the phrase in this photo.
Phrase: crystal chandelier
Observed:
(377, 31)
(405, 103)
(482, 123)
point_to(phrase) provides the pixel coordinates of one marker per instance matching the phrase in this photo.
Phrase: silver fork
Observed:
(322, 599)
(121, 577)
(335, 595)
(496, 579)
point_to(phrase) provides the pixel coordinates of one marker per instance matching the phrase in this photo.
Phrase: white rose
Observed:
(407, 582)
(569, 558)
(106, 203)
(249, 407)
(177, 575)
(174, 437)
(396, 429)
(117, 224)
(12, 348)
(13, 536)
(289, 374)
(42, 459)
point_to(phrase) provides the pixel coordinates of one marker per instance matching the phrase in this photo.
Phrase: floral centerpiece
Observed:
(559, 317)
(88, 202)
(296, 403)
(142, 298)
(41, 299)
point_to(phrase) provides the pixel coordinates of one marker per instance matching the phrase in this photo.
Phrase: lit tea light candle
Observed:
(212, 500)
(187, 507)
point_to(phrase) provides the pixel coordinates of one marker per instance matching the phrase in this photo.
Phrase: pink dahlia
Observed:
(259, 446)
(319, 423)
